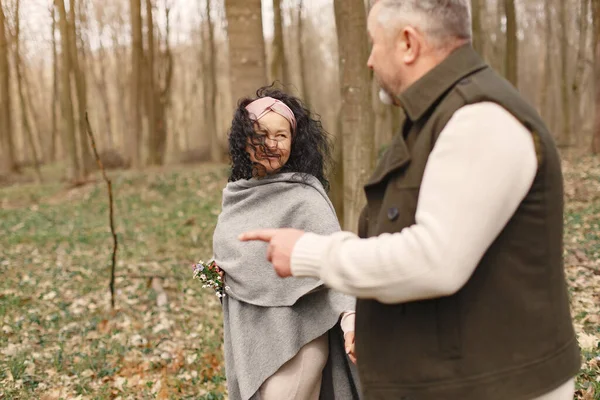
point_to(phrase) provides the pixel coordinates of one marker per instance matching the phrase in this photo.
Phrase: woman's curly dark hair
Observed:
(311, 145)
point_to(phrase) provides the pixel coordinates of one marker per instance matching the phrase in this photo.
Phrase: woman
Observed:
(282, 336)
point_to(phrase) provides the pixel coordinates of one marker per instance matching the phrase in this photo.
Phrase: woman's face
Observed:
(272, 150)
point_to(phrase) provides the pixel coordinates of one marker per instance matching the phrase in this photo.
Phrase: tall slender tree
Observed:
(209, 60)
(246, 47)
(279, 68)
(23, 103)
(302, 53)
(576, 82)
(565, 132)
(87, 162)
(356, 113)
(596, 50)
(158, 73)
(545, 106)
(74, 171)
(136, 96)
(512, 43)
(8, 160)
(100, 79)
(55, 98)
(477, 26)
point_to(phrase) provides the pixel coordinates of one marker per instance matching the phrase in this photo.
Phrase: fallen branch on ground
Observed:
(111, 212)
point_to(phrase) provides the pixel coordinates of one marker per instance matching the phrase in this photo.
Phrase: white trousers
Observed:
(300, 377)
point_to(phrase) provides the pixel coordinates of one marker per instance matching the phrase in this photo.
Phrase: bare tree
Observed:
(8, 160)
(579, 66)
(157, 99)
(137, 56)
(23, 103)
(356, 113)
(246, 47)
(55, 97)
(512, 42)
(302, 53)
(279, 68)
(74, 171)
(120, 82)
(477, 28)
(547, 65)
(209, 61)
(565, 133)
(596, 50)
(100, 76)
(150, 86)
(87, 161)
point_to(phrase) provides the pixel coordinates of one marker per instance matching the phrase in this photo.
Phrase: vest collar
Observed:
(418, 98)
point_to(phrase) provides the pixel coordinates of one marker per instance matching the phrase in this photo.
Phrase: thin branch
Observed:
(111, 214)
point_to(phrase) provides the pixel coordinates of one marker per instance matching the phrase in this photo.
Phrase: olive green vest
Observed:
(507, 334)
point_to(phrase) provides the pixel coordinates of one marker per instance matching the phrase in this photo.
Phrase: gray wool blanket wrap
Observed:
(280, 201)
(266, 319)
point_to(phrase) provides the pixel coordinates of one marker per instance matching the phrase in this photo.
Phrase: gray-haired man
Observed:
(462, 287)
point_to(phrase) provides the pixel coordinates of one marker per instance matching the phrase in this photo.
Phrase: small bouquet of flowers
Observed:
(211, 277)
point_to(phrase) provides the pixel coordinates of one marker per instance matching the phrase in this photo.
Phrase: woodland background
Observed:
(159, 80)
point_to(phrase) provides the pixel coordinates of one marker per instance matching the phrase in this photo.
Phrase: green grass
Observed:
(59, 337)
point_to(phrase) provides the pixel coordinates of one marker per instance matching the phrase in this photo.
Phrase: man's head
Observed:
(410, 37)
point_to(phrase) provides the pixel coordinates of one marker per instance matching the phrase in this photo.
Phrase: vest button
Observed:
(393, 214)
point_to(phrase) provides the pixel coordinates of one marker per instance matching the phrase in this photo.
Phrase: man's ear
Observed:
(410, 42)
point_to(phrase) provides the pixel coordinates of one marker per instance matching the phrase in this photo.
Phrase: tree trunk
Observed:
(137, 55)
(8, 160)
(337, 176)
(279, 69)
(356, 112)
(23, 103)
(596, 131)
(565, 134)
(246, 47)
(579, 68)
(153, 156)
(55, 98)
(100, 79)
(547, 74)
(512, 43)
(301, 54)
(163, 93)
(102, 88)
(87, 162)
(74, 172)
(120, 81)
(477, 28)
(209, 60)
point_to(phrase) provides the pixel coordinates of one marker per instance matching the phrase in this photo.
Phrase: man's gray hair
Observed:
(442, 21)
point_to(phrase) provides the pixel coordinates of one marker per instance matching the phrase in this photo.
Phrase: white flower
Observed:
(203, 277)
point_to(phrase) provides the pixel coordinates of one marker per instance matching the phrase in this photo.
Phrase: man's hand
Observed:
(281, 244)
(349, 346)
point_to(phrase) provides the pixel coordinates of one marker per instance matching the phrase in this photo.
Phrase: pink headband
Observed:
(260, 107)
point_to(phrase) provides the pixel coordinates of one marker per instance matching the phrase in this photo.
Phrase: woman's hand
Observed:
(349, 345)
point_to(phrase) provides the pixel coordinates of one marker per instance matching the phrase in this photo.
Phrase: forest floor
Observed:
(60, 339)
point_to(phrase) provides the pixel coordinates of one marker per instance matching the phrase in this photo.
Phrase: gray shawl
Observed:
(267, 319)
(281, 201)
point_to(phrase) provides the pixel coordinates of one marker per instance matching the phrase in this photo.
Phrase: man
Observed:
(461, 284)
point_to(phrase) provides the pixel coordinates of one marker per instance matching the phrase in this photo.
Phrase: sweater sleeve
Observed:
(481, 168)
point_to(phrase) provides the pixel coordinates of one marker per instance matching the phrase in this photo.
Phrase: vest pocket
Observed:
(449, 327)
